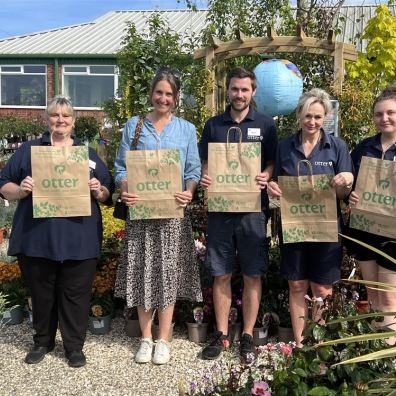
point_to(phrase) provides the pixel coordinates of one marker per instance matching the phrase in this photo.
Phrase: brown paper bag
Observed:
(308, 208)
(155, 176)
(233, 168)
(376, 187)
(61, 176)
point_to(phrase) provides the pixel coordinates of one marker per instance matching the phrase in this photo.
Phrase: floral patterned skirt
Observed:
(158, 264)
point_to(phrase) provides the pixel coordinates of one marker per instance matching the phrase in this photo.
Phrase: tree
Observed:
(377, 67)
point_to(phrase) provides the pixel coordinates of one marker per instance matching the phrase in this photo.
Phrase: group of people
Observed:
(58, 256)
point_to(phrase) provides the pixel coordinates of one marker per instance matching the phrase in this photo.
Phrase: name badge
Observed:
(92, 164)
(253, 131)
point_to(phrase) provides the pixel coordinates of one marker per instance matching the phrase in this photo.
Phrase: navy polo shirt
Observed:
(330, 156)
(255, 127)
(57, 238)
(371, 147)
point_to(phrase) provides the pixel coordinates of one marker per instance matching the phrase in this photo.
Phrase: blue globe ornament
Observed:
(279, 86)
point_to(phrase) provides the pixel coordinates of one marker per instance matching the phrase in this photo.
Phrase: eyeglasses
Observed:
(167, 70)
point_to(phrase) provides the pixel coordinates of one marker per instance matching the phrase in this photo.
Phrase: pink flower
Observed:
(287, 349)
(226, 343)
(260, 388)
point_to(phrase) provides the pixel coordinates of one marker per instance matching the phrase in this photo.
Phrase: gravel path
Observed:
(110, 368)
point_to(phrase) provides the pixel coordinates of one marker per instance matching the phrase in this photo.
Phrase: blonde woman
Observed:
(311, 265)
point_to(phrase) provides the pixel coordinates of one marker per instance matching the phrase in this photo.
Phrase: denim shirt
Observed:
(178, 134)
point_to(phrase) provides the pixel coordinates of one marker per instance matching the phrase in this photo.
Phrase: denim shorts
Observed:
(319, 262)
(242, 235)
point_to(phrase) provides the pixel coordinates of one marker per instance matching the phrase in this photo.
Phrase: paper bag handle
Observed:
(240, 138)
(308, 163)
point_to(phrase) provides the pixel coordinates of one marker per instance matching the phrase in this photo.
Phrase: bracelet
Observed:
(348, 186)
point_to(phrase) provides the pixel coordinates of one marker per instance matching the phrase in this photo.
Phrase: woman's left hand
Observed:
(95, 187)
(183, 198)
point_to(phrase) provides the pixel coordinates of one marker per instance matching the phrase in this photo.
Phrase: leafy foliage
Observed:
(86, 128)
(377, 67)
(21, 127)
(313, 370)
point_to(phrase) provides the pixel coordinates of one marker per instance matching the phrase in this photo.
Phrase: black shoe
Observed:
(37, 353)
(216, 347)
(247, 347)
(76, 358)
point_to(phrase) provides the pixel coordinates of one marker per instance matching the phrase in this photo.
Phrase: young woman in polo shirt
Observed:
(373, 266)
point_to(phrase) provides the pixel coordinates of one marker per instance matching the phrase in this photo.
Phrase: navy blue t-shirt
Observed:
(371, 147)
(57, 238)
(255, 127)
(330, 156)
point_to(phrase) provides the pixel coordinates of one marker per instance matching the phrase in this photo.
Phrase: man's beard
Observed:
(244, 105)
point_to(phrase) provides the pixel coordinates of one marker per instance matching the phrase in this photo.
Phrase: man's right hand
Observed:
(206, 181)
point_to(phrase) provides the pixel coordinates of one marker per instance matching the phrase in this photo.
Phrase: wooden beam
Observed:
(331, 36)
(271, 33)
(300, 33)
(241, 36)
(216, 42)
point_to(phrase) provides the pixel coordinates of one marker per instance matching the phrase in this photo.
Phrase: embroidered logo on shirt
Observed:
(323, 163)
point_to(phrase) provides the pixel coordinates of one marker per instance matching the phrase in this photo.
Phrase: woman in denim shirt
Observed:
(158, 262)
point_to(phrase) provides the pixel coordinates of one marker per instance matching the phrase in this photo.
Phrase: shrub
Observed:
(86, 128)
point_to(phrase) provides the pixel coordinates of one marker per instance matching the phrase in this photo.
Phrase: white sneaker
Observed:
(161, 352)
(143, 355)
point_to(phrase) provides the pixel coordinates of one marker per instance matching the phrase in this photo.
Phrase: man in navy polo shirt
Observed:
(242, 234)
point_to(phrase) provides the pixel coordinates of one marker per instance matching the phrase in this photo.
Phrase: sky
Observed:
(18, 17)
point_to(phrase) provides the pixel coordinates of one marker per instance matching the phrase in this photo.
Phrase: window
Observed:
(89, 86)
(23, 85)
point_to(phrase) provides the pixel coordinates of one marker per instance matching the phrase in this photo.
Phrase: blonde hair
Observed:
(60, 101)
(307, 99)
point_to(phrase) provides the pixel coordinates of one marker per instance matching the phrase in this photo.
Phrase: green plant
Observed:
(316, 370)
(86, 128)
(15, 291)
(21, 127)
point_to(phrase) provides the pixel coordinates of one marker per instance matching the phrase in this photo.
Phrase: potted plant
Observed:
(193, 315)
(100, 313)
(16, 293)
(132, 326)
(285, 330)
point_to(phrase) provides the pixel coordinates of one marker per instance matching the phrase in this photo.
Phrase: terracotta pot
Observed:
(13, 316)
(100, 325)
(155, 332)
(132, 328)
(260, 335)
(197, 332)
(285, 334)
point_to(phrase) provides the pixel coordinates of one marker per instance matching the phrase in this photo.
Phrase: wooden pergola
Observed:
(219, 51)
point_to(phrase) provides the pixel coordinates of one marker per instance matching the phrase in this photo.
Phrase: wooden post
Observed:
(338, 66)
(210, 96)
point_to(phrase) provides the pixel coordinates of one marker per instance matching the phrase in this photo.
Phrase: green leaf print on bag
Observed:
(79, 154)
(45, 209)
(323, 182)
(251, 150)
(140, 212)
(384, 184)
(295, 234)
(171, 157)
(219, 204)
(361, 222)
